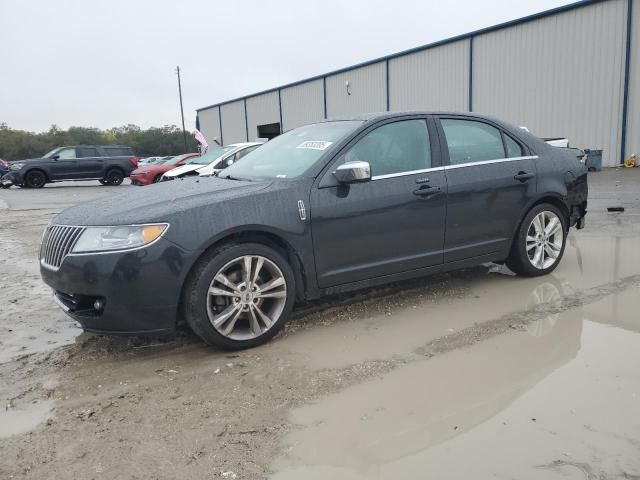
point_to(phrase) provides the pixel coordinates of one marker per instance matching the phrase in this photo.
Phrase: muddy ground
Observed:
(473, 374)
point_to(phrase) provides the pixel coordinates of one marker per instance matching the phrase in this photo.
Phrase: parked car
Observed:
(109, 164)
(325, 208)
(213, 161)
(149, 174)
(149, 160)
(4, 167)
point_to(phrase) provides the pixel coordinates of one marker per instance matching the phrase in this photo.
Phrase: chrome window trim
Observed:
(449, 167)
(410, 172)
(488, 162)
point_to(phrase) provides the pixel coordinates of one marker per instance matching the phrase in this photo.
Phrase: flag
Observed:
(204, 146)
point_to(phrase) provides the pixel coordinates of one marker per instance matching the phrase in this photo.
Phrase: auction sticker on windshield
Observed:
(315, 145)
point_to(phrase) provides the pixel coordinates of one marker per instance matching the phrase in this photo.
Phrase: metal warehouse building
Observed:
(572, 71)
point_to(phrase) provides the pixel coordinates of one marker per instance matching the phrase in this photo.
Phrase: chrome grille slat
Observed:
(57, 243)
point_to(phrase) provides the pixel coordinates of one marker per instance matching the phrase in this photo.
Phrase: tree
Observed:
(20, 144)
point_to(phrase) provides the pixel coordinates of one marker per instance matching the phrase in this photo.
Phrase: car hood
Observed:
(151, 168)
(176, 172)
(158, 202)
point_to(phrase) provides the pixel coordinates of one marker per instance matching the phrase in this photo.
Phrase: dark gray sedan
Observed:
(325, 208)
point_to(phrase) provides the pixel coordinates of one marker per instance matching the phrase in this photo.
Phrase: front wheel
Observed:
(35, 179)
(239, 295)
(540, 242)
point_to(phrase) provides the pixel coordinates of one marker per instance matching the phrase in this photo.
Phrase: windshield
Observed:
(293, 153)
(211, 156)
(164, 161)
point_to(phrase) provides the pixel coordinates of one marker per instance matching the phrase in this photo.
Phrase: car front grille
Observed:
(57, 243)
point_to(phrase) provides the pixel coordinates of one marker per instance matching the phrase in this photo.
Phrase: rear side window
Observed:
(514, 149)
(471, 141)
(394, 148)
(85, 152)
(117, 151)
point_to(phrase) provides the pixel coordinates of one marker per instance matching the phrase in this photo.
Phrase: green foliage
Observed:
(167, 140)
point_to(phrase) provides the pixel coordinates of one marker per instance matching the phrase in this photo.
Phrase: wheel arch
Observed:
(254, 234)
(36, 169)
(551, 198)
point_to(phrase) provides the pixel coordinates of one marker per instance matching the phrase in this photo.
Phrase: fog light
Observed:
(98, 305)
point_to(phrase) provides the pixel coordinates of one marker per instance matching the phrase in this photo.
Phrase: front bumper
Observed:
(14, 177)
(139, 290)
(141, 179)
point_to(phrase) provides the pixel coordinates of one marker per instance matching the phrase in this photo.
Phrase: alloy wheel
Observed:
(545, 238)
(246, 297)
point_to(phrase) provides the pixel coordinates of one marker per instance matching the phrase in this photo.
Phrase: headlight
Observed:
(100, 239)
(16, 166)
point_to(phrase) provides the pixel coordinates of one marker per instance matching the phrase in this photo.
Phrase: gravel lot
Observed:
(472, 374)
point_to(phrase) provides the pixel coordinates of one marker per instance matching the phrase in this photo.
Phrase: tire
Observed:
(157, 178)
(114, 177)
(103, 182)
(243, 316)
(533, 248)
(35, 179)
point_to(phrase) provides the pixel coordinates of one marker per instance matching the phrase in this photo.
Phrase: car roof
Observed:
(366, 117)
(244, 144)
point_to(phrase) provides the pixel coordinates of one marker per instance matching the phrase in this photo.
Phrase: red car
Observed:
(151, 173)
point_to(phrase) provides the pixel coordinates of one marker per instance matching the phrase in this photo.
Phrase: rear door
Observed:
(66, 166)
(89, 162)
(490, 178)
(390, 224)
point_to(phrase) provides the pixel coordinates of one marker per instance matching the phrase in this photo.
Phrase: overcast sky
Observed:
(110, 63)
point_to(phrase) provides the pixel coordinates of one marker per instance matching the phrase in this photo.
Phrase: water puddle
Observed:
(20, 419)
(559, 399)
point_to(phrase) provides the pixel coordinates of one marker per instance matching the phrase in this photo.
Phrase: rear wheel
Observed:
(114, 177)
(35, 179)
(239, 295)
(540, 242)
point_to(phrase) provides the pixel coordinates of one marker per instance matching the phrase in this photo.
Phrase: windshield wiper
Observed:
(229, 177)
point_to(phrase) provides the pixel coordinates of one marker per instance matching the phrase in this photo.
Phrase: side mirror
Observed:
(56, 157)
(230, 162)
(353, 172)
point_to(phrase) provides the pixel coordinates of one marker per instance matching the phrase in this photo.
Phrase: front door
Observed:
(390, 224)
(491, 180)
(66, 166)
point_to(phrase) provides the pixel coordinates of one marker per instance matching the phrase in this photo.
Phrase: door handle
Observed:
(427, 191)
(523, 176)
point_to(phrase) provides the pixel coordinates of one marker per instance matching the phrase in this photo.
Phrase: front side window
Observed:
(394, 148)
(67, 153)
(471, 141)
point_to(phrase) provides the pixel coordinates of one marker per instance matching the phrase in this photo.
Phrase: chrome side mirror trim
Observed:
(353, 172)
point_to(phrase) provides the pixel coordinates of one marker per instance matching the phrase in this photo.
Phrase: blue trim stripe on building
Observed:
(625, 93)
(386, 69)
(470, 87)
(324, 95)
(246, 120)
(500, 26)
(280, 108)
(220, 120)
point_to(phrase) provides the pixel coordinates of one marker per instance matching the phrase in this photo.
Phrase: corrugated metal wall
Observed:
(433, 79)
(560, 76)
(261, 110)
(633, 110)
(367, 87)
(234, 128)
(210, 124)
(302, 104)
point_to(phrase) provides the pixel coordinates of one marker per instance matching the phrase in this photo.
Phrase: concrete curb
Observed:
(3, 205)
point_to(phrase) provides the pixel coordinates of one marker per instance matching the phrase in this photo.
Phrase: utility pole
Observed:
(184, 131)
